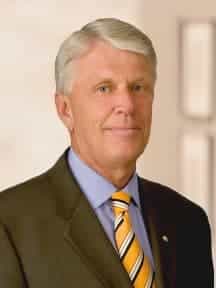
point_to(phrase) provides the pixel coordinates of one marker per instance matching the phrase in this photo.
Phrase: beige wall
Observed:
(31, 136)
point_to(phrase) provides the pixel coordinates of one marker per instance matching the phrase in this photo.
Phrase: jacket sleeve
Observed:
(207, 256)
(201, 262)
(11, 275)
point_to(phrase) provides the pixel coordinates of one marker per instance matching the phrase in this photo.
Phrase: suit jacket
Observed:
(51, 237)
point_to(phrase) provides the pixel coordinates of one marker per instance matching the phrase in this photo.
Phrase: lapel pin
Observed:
(165, 238)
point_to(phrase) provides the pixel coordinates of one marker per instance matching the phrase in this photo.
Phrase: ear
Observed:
(63, 107)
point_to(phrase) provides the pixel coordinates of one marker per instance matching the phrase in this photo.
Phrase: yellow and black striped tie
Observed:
(131, 254)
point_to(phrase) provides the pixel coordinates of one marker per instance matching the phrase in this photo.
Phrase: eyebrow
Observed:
(105, 80)
(110, 80)
(143, 79)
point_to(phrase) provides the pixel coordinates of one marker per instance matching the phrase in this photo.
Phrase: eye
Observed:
(137, 87)
(104, 89)
(143, 88)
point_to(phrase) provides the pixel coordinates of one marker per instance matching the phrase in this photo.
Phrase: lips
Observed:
(123, 131)
(122, 128)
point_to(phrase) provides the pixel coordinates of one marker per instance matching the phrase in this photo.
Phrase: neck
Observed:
(119, 175)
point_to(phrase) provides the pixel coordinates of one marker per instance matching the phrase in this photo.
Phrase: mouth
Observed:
(122, 131)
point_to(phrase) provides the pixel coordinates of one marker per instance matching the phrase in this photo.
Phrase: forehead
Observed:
(103, 59)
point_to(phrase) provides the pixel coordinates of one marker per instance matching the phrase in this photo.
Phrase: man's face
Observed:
(111, 106)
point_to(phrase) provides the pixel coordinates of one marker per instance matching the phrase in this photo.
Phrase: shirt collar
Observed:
(96, 188)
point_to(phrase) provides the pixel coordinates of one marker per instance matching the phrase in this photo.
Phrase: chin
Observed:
(124, 157)
(123, 153)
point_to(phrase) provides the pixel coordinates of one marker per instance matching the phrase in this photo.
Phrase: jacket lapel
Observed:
(160, 235)
(87, 237)
(83, 231)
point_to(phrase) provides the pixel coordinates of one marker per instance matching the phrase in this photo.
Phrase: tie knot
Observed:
(120, 201)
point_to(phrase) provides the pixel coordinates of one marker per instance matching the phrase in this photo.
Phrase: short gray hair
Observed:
(119, 34)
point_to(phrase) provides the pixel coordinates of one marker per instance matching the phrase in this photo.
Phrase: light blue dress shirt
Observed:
(98, 191)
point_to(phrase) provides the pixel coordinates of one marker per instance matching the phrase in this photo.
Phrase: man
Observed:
(90, 221)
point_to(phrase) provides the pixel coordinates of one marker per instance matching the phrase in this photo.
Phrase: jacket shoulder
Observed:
(26, 197)
(170, 200)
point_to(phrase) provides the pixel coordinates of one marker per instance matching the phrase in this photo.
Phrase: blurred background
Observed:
(181, 149)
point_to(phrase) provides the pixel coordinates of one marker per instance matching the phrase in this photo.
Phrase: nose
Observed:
(125, 102)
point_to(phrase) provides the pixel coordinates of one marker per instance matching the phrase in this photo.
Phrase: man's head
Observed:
(117, 33)
(105, 76)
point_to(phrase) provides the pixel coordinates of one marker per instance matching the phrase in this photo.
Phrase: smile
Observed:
(123, 131)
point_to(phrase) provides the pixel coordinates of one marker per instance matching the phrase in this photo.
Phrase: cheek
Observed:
(100, 115)
(148, 109)
(145, 113)
(149, 113)
(87, 123)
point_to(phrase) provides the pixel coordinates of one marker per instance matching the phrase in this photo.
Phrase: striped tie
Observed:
(131, 254)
